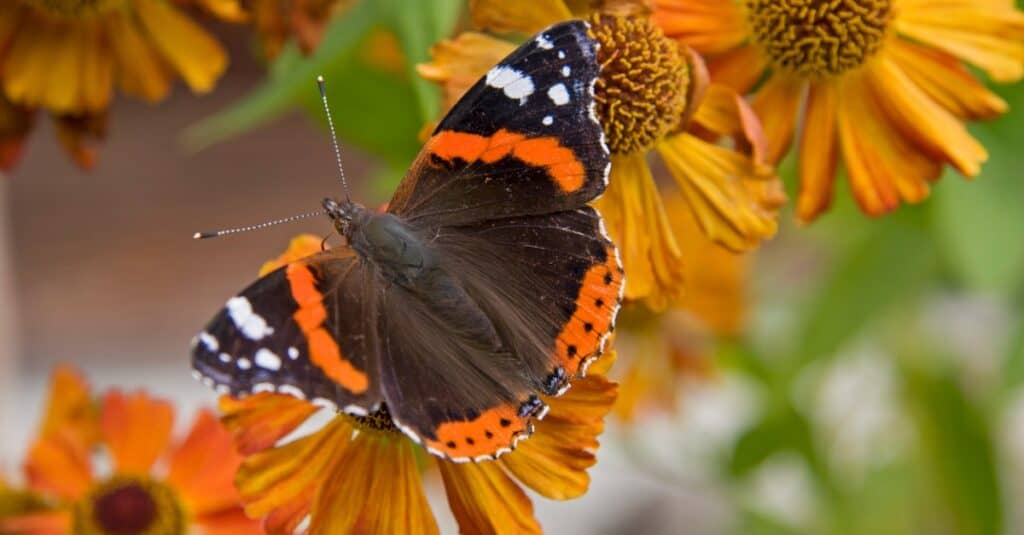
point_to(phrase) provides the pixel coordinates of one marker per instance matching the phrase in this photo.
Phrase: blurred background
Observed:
(874, 387)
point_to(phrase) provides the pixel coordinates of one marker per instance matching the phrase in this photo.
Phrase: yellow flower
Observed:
(66, 56)
(361, 474)
(879, 84)
(670, 349)
(152, 487)
(278, 20)
(652, 95)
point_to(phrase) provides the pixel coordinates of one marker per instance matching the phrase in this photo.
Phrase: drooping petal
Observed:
(735, 200)
(77, 134)
(257, 422)
(58, 464)
(776, 104)
(202, 468)
(485, 500)
(15, 123)
(819, 151)
(456, 64)
(374, 488)
(709, 26)
(637, 223)
(136, 429)
(70, 408)
(282, 481)
(503, 16)
(726, 113)
(193, 52)
(929, 125)
(946, 81)
(141, 71)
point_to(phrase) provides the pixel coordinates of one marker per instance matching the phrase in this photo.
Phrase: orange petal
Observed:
(929, 125)
(257, 422)
(735, 200)
(299, 247)
(42, 67)
(193, 52)
(456, 64)
(726, 113)
(70, 408)
(48, 523)
(202, 468)
(486, 501)
(776, 103)
(946, 81)
(739, 69)
(76, 134)
(141, 71)
(503, 16)
(136, 429)
(229, 522)
(96, 67)
(636, 221)
(819, 153)
(709, 26)
(374, 488)
(15, 123)
(228, 10)
(281, 481)
(58, 464)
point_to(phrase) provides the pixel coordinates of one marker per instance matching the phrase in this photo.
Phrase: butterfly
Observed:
(487, 282)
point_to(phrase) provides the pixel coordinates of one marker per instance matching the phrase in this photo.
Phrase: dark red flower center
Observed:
(126, 510)
(127, 505)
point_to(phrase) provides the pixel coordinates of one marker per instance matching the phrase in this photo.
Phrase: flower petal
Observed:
(193, 52)
(456, 64)
(136, 429)
(709, 26)
(503, 16)
(819, 153)
(58, 464)
(946, 81)
(229, 522)
(76, 134)
(257, 422)
(929, 125)
(739, 69)
(15, 123)
(140, 69)
(726, 113)
(202, 468)
(485, 500)
(636, 221)
(70, 408)
(41, 67)
(734, 199)
(46, 523)
(374, 488)
(777, 103)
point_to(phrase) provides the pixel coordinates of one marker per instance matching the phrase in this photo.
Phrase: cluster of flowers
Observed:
(721, 90)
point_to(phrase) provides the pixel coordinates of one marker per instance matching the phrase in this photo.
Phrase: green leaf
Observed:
(886, 268)
(1013, 364)
(957, 447)
(293, 78)
(979, 223)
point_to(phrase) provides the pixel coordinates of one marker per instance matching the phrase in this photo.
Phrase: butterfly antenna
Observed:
(219, 233)
(334, 138)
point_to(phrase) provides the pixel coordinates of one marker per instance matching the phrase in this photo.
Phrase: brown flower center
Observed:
(641, 92)
(818, 38)
(74, 8)
(126, 505)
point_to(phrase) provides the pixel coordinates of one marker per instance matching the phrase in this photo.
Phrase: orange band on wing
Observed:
(490, 432)
(596, 303)
(323, 348)
(547, 152)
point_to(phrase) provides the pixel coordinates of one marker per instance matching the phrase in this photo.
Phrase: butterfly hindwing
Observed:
(299, 330)
(524, 140)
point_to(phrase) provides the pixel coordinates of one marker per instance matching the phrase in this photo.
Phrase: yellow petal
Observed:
(776, 103)
(141, 72)
(259, 421)
(229, 10)
(42, 67)
(733, 200)
(96, 67)
(819, 153)
(486, 501)
(726, 113)
(456, 64)
(136, 429)
(196, 55)
(528, 18)
(374, 488)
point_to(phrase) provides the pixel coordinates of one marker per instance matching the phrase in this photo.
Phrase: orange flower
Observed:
(879, 84)
(669, 349)
(361, 474)
(651, 95)
(65, 57)
(152, 487)
(278, 20)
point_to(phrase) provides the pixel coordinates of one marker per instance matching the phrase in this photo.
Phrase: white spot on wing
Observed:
(291, 391)
(251, 324)
(547, 120)
(566, 71)
(543, 42)
(513, 83)
(293, 353)
(561, 54)
(558, 94)
(267, 359)
(244, 364)
(224, 357)
(209, 342)
(263, 387)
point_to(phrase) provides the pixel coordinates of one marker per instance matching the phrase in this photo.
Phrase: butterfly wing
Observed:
(523, 141)
(300, 330)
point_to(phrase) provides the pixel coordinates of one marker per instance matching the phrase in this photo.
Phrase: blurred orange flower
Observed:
(65, 56)
(304, 20)
(652, 95)
(153, 486)
(361, 474)
(879, 85)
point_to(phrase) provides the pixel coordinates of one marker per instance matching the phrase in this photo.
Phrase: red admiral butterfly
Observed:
(487, 282)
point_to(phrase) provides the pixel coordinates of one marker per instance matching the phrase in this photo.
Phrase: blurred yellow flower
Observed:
(879, 84)
(153, 486)
(276, 21)
(65, 57)
(361, 474)
(652, 95)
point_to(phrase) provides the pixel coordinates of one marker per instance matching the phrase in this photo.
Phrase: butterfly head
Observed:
(345, 214)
